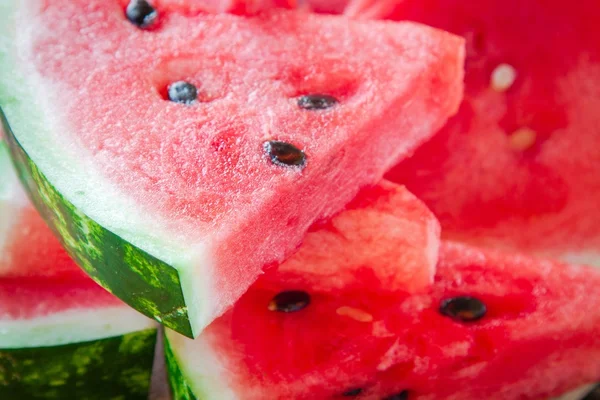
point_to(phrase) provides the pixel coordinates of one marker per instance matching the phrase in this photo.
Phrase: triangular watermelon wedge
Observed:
(176, 160)
(492, 326)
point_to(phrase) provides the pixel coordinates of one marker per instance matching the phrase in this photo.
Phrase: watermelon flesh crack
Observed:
(160, 202)
(61, 335)
(517, 167)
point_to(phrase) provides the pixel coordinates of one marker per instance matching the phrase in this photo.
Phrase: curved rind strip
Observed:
(116, 368)
(180, 390)
(144, 282)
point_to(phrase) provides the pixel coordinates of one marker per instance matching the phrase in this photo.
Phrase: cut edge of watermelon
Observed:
(72, 326)
(204, 376)
(85, 240)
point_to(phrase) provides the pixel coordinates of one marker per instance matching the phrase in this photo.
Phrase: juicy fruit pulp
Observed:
(163, 199)
(385, 240)
(539, 337)
(517, 168)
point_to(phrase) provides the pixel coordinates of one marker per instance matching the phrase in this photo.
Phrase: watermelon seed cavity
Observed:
(285, 154)
(141, 13)
(403, 395)
(352, 392)
(317, 102)
(463, 308)
(182, 92)
(289, 301)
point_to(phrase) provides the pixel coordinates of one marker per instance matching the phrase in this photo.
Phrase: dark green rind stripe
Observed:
(118, 368)
(179, 387)
(145, 283)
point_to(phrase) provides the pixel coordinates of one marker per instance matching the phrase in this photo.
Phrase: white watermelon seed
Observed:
(355, 313)
(503, 77)
(522, 139)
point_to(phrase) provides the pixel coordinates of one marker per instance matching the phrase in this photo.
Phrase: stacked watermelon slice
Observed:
(218, 166)
(61, 335)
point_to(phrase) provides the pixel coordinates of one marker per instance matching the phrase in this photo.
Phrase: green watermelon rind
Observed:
(116, 368)
(177, 380)
(146, 284)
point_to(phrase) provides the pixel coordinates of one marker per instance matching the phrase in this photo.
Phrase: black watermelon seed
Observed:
(182, 92)
(285, 154)
(352, 392)
(317, 102)
(290, 301)
(463, 308)
(403, 395)
(141, 13)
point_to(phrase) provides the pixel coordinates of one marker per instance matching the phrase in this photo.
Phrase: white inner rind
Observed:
(72, 326)
(200, 365)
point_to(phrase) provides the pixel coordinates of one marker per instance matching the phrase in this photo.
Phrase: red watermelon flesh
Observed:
(246, 7)
(32, 250)
(326, 6)
(539, 337)
(192, 185)
(27, 246)
(517, 168)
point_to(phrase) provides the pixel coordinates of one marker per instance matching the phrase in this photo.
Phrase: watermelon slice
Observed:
(492, 326)
(61, 335)
(21, 225)
(517, 168)
(71, 340)
(176, 160)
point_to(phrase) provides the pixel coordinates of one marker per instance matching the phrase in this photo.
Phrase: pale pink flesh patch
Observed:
(361, 244)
